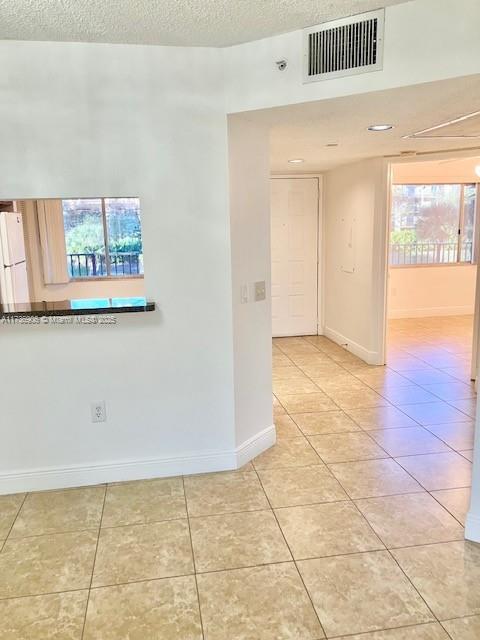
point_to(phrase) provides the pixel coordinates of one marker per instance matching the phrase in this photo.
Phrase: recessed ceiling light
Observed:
(380, 127)
(296, 160)
(477, 170)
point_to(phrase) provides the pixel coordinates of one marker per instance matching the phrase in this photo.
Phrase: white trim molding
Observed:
(256, 445)
(88, 475)
(370, 357)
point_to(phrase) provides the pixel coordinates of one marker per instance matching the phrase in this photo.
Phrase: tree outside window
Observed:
(103, 237)
(432, 224)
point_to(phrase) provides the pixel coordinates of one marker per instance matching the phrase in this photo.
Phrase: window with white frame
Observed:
(103, 237)
(432, 224)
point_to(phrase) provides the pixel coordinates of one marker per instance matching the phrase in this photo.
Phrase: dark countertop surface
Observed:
(77, 307)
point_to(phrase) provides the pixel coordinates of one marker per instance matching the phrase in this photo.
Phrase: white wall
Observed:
(252, 321)
(449, 170)
(472, 522)
(425, 40)
(89, 119)
(354, 192)
(415, 292)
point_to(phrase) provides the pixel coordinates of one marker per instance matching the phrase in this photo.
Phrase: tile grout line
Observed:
(44, 593)
(462, 524)
(246, 511)
(440, 399)
(383, 457)
(366, 634)
(371, 429)
(54, 533)
(146, 580)
(193, 560)
(389, 456)
(412, 584)
(429, 493)
(14, 521)
(94, 560)
(98, 587)
(387, 550)
(292, 556)
(362, 515)
(213, 571)
(351, 498)
(339, 363)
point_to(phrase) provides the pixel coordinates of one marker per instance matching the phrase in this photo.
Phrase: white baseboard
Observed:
(370, 357)
(430, 312)
(80, 476)
(256, 445)
(472, 527)
(296, 334)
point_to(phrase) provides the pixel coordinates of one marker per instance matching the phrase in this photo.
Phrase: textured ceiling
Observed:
(215, 23)
(303, 131)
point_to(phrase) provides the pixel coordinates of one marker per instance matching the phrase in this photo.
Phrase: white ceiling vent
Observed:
(344, 47)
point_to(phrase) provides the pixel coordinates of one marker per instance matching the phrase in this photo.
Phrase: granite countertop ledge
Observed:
(91, 306)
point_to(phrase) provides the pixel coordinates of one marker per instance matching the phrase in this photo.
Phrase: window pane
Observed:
(84, 237)
(469, 196)
(424, 224)
(124, 236)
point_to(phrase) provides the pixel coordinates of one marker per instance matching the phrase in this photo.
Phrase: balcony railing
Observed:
(430, 253)
(94, 265)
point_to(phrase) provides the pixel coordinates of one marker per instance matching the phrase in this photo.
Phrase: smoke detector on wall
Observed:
(344, 47)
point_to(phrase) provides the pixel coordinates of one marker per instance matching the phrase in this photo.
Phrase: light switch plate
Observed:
(260, 292)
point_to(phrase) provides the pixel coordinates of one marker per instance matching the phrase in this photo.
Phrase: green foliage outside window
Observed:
(86, 237)
(403, 236)
(103, 237)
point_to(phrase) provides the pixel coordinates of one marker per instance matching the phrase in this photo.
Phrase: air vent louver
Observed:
(344, 47)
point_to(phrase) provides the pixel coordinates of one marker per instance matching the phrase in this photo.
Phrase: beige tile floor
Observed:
(351, 527)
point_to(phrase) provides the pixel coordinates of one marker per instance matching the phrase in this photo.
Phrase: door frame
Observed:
(320, 290)
(381, 249)
(474, 366)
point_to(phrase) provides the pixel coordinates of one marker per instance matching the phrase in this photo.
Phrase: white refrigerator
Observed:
(13, 266)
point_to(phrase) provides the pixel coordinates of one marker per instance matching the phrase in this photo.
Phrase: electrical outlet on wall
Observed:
(99, 411)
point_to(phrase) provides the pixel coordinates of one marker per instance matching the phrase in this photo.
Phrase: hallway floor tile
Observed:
(350, 527)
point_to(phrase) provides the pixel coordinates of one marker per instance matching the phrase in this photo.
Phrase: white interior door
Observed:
(294, 245)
